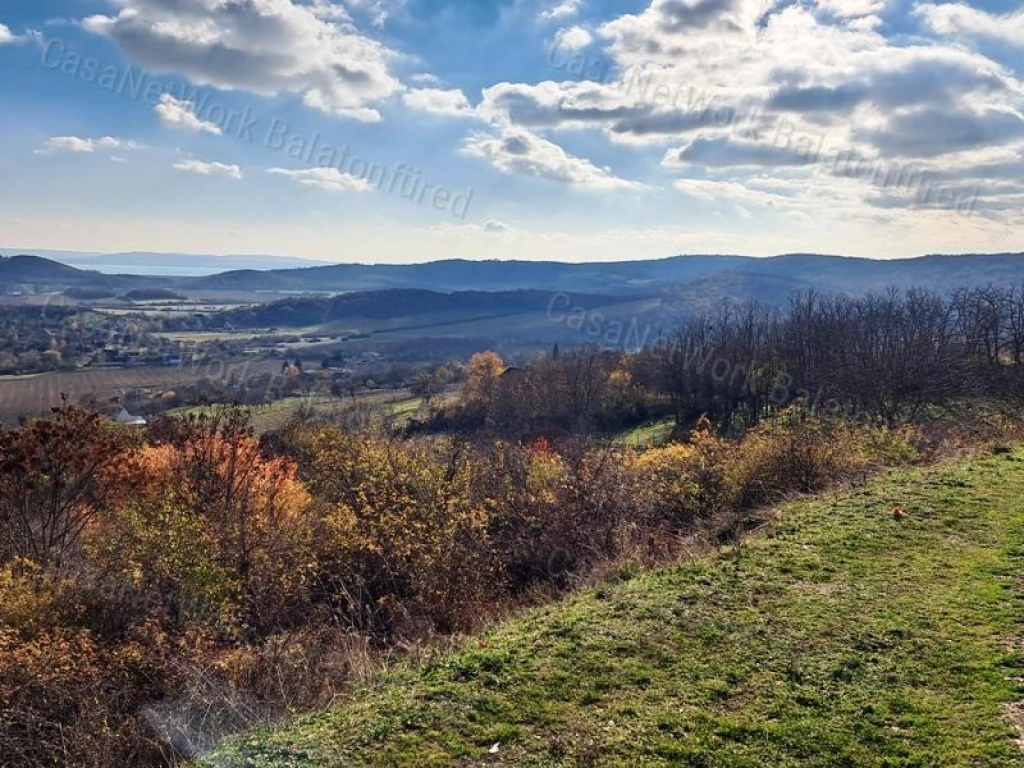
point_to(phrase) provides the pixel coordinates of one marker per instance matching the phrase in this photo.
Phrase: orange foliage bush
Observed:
(215, 529)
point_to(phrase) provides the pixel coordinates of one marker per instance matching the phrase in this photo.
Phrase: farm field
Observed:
(32, 395)
(398, 405)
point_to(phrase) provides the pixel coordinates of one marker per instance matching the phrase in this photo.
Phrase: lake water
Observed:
(140, 269)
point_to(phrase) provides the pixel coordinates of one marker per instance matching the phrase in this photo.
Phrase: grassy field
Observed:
(646, 435)
(397, 405)
(837, 635)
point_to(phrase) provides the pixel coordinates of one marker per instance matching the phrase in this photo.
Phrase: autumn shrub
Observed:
(66, 697)
(889, 447)
(684, 483)
(216, 533)
(795, 452)
(555, 514)
(401, 541)
(54, 483)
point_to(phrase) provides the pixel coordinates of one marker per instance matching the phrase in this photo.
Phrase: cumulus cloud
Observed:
(181, 115)
(714, 191)
(960, 19)
(947, 130)
(558, 105)
(849, 9)
(201, 168)
(438, 101)
(724, 152)
(76, 144)
(7, 37)
(573, 38)
(755, 86)
(517, 151)
(563, 9)
(326, 179)
(262, 46)
(425, 78)
(928, 77)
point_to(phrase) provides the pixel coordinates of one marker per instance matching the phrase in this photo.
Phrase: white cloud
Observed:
(517, 151)
(724, 152)
(201, 168)
(438, 101)
(262, 46)
(724, 191)
(425, 78)
(7, 37)
(965, 20)
(326, 179)
(75, 144)
(573, 38)
(181, 115)
(67, 144)
(562, 10)
(851, 9)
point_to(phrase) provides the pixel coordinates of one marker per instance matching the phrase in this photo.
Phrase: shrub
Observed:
(555, 515)
(793, 452)
(54, 483)
(65, 697)
(216, 532)
(401, 540)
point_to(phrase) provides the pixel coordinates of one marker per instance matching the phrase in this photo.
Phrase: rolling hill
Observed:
(48, 275)
(700, 279)
(828, 273)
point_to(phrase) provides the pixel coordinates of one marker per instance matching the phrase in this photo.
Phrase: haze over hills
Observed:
(175, 264)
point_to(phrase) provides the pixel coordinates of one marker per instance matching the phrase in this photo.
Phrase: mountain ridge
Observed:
(768, 278)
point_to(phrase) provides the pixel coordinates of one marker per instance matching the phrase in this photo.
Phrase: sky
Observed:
(574, 130)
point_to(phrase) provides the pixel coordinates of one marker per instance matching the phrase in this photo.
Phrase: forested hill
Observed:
(829, 273)
(708, 278)
(412, 305)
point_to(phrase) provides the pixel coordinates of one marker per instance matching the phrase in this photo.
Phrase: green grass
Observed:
(266, 418)
(646, 435)
(835, 636)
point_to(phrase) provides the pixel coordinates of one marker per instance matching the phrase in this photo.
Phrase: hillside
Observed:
(412, 306)
(837, 635)
(24, 268)
(829, 273)
(699, 279)
(40, 273)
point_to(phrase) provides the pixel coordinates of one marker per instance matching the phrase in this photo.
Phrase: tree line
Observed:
(887, 357)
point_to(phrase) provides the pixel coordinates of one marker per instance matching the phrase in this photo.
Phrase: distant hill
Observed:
(412, 306)
(698, 280)
(183, 264)
(25, 268)
(44, 274)
(466, 275)
(749, 276)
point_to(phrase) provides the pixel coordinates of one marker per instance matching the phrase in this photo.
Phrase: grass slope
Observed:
(839, 636)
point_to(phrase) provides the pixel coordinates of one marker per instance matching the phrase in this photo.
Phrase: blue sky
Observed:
(407, 130)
